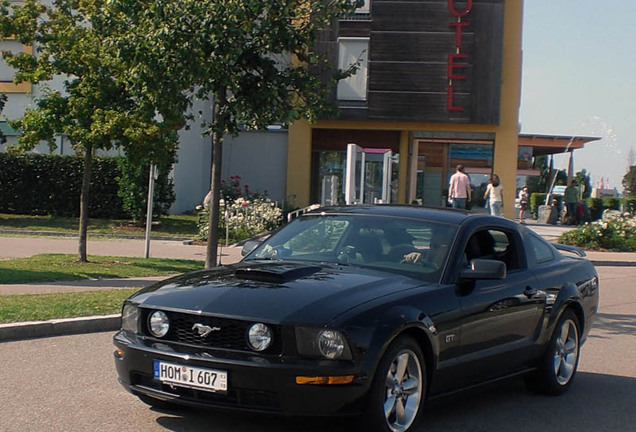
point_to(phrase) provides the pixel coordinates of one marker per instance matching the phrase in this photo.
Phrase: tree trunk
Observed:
(84, 198)
(211, 258)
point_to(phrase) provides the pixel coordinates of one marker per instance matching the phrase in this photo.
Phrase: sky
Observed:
(579, 78)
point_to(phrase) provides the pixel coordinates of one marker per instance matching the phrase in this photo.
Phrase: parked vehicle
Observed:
(363, 310)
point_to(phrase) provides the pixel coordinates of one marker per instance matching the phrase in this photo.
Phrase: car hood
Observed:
(274, 291)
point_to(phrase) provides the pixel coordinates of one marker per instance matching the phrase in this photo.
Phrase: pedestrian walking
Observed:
(494, 195)
(524, 197)
(459, 191)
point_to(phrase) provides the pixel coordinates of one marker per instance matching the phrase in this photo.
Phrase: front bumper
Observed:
(255, 383)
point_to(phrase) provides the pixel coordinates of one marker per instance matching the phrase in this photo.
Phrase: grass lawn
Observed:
(17, 308)
(60, 267)
(167, 226)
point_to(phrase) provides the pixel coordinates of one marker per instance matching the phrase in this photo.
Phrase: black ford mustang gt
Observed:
(362, 310)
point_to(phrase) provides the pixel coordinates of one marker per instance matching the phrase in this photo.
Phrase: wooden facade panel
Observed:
(406, 16)
(417, 107)
(416, 77)
(409, 49)
(355, 28)
(416, 47)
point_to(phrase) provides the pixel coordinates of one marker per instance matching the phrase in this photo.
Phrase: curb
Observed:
(59, 327)
(613, 263)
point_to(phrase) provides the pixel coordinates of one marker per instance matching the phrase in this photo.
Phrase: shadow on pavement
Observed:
(595, 402)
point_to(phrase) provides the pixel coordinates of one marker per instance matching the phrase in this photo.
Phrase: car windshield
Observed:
(411, 246)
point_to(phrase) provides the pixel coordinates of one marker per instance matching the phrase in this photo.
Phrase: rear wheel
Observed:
(557, 368)
(399, 388)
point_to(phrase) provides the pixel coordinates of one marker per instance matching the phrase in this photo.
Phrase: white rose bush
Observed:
(244, 214)
(616, 233)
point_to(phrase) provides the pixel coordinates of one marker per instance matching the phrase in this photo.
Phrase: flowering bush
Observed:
(617, 234)
(243, 213)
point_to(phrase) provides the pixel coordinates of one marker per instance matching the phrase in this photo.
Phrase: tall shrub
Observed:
(133, 187)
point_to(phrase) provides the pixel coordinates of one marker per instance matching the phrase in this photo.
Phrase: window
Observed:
(496, 245)
(541, 250)
(353, 52)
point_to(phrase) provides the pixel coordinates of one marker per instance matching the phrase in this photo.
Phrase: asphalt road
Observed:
(69, 384)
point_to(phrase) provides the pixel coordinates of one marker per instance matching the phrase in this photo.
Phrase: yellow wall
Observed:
(298, 164)
(506, 133)
(507, 138)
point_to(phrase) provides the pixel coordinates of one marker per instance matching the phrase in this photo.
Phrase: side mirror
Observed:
(484, 269)
(249, 246)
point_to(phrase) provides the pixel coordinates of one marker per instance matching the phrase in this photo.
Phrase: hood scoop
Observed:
(276, 274)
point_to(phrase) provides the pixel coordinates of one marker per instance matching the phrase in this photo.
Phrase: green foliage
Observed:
(133, 187)
(629, 181)
(49, 185)
(595, 205)
(582, 178)
(630, 204)
(618, 234)
(611, 203)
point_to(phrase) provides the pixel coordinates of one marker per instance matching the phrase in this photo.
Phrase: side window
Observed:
(497, 245)
(542, 251)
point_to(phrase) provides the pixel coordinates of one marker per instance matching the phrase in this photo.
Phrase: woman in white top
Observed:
(494, 193)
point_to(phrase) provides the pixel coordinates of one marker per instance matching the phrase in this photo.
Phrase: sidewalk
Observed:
(16, 247)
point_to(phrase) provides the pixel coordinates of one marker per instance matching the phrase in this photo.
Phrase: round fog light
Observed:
(158, 324)
(259, 337)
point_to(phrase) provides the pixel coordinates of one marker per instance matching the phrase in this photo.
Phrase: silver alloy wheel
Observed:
(566, 352)
(403, 390)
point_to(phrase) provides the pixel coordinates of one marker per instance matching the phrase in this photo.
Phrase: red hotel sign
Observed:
(455, 65)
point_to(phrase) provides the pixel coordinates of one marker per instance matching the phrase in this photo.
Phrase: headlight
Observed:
(130, 318)
(158, 324)
(259, 337)
(325, 343)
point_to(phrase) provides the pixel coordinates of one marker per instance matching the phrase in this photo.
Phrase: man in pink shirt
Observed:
(459, 189)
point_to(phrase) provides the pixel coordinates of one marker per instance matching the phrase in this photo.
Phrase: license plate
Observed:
(192, 377)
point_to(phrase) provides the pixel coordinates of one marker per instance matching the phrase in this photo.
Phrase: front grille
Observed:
(232, 334)
(243, 398)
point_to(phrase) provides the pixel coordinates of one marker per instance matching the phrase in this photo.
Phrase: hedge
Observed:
(36, 184)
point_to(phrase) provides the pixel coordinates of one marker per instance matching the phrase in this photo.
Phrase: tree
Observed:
(253, 58)
(629, 182)
(3, 100)
(95, 111)
(582, 178)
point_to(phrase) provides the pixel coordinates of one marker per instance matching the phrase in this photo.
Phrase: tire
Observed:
(558, 365)
(398, 390)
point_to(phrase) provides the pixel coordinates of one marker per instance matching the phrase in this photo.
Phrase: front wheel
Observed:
(557, 368)
(398, 389)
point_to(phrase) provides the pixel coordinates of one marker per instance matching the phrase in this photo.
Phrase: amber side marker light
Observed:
(119, 353)
(324, 380)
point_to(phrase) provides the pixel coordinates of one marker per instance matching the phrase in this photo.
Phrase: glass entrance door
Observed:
(367, 175)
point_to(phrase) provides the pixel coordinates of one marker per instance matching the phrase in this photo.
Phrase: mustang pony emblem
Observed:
(204, 330)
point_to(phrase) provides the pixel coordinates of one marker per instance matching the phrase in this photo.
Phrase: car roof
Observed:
(447, 215)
